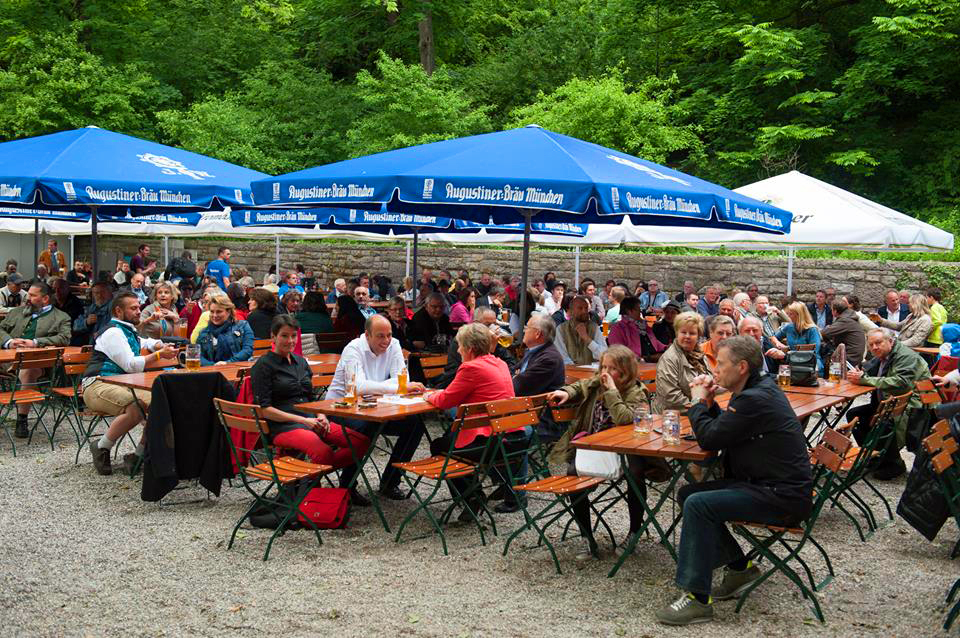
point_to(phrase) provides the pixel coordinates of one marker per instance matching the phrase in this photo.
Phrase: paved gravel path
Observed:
(82, 555)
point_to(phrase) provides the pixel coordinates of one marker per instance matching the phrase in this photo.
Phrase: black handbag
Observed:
(803, 368)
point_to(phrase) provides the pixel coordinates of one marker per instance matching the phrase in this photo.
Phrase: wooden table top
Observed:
(383, 413)
(8, 356)
(622, 439)
(144, 380)
(803, 405)
(648, 372)
(934, 351)
(841, 388)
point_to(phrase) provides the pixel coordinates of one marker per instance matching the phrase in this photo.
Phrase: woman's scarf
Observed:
(695, 359)
(220, 342)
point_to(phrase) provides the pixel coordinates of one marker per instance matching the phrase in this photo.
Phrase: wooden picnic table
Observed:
(232, 371)
(625, 441)
(931, 351)
(842, 388)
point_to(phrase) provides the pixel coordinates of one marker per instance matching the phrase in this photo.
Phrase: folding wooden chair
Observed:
(36, 396)
(942, 448)
(781, 545)
(262, 347)
(292, 478)
(557, 493)
(433, 366)
(454, 464)
(322, 378)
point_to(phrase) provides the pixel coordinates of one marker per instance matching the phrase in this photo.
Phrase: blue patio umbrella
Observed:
(513, 176)
(99, 172)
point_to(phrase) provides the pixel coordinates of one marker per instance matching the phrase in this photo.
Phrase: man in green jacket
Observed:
(33, 325)
(894, 370)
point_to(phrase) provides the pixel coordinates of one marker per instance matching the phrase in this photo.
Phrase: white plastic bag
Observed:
(604, 465)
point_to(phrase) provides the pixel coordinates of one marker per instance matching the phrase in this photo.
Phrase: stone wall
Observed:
(329, 260)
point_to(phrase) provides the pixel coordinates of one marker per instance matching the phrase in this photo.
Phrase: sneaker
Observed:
(22, 431)
(735, 583)
(589, 552)
(686, 610)
(101, 459)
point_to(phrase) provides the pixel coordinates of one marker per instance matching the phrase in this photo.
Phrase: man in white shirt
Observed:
(117, 351)
(377, 359)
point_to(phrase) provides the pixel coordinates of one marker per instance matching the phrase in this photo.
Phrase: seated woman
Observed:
(462, 311)
(678, 366)
(349, 318)
(397, 314)
(238, 295)
(280, 380)
(313, 316)
(607, 399)
(800, 331)
(263, 308)
(914, 329)
(199, 312)
(225, 339)
(720, 327)
(160, 318)
(482, 377)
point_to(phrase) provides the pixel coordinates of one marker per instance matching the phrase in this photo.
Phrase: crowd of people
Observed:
(701, 340)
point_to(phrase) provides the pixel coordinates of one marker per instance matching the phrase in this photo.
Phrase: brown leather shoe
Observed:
(101, 459)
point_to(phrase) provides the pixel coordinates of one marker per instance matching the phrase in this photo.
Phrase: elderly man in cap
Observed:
(11, 295)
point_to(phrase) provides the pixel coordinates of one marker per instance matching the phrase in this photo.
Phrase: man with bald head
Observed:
(377, 359)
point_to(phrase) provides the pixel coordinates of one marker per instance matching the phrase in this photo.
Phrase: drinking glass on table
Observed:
(642, 419)
(350, 396)
(783, 376)
(671, 427)
(192, 357)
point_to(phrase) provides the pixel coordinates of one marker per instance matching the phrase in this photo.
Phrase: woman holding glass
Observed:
(159, 319)
(609, 398)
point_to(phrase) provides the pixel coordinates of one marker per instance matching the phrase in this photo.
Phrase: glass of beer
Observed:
(181, 330)
(606, 328)
(505, 340)
(350, 396)
(834, 371)
(783, 376)
(505, 316)
(192, 357)
(402, 382)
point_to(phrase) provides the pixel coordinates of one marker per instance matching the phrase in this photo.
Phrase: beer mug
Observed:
(192, 357)
(642, 419)
(783, 376)
(606, 328)
(671, 427)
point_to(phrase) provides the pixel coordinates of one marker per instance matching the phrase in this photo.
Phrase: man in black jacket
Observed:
(768, 478)
(541, 368)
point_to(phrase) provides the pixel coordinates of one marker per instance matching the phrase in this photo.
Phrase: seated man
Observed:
(362, 296)
(769, 479)
(11, 295)
(845, 329)
(377, 359)
(541, 369)
(653, 298)
(95, 315)
(752, 327)
(580, 340)
(893, 370)
(137, 282)
(488, 318)
(339, 288)
(35, 324)
(430, 328)
(117, 351)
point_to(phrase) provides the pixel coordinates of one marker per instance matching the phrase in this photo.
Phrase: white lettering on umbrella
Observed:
(169, 166)
(646, 169)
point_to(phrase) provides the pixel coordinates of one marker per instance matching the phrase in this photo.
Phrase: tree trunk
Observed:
(427, 53)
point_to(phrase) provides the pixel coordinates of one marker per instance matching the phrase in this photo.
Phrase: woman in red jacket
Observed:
(481, 377)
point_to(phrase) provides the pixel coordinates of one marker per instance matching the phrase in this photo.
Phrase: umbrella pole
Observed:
(95, 262)
(790, 253)
(276, 248)
(407, 262)
(36, 242)
(416, 283)
(576, 271)
(166, 250)
(525, 270)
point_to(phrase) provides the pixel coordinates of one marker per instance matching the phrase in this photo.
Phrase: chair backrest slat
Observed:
(834, 440)
(509, 406)
(514, 421)
(564, 413)
(942, 462)
(828, 458)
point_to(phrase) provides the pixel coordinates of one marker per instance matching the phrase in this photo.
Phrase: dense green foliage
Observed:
(862, 94)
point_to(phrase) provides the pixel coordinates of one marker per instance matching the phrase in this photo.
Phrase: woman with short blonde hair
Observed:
(225, 339)
(680, 363)
(801, 330)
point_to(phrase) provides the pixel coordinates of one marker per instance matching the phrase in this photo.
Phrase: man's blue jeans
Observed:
(705, 541)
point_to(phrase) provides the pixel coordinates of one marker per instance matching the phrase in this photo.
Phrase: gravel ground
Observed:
(84, 556)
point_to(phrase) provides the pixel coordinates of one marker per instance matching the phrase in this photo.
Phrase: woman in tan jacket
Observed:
(915, 327)
(681, 362)
(607, 399)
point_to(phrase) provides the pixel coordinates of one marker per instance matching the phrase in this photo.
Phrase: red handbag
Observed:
(327, 507)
